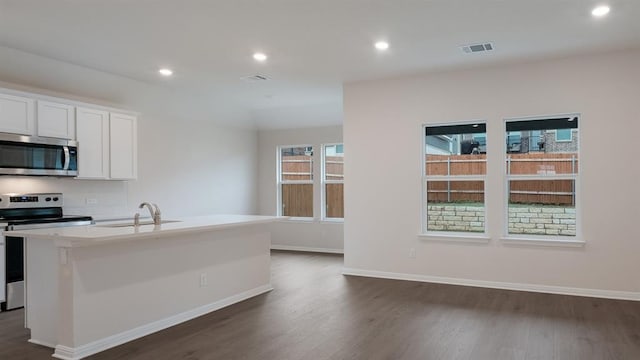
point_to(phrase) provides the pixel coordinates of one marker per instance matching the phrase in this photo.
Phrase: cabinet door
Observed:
(92, 129)
(56, 120)
(16, 114)
(123, 146)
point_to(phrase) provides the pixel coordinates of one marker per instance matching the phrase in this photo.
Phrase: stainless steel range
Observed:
(24, 212)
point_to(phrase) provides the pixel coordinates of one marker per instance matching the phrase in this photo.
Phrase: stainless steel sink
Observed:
(130, 224)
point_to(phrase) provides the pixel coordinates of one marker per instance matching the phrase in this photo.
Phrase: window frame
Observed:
(535, 239)
(464, 236)
(280, 182)
(324, 182)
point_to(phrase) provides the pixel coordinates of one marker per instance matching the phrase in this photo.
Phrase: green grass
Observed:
(519, 205)
(456, 203)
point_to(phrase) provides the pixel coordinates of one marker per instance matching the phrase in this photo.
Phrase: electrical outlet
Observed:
(412, 253)
(91, 201)
(203, 280)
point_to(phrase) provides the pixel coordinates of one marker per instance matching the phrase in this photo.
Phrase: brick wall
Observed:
(455, 218)
(528, 220)
(553, 146)
(542, 220)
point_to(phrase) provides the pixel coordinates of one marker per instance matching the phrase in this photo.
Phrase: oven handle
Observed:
(67, 158)
(49, 225)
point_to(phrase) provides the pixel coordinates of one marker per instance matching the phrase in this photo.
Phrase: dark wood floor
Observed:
(316, 313)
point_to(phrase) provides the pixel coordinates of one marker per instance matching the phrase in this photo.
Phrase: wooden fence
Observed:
(542, 163)
(550, 192)
(297, 167)
(297, 199)
(334, 167)
(456, 164)
(556, 192)
(455, 191)
(335, 200)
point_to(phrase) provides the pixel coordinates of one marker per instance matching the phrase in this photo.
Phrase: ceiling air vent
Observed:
(477, 48)
(255, 78)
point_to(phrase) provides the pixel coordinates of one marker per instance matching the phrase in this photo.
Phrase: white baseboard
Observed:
(309, 249)
(69, 353)
(66, 353)
(596, 293)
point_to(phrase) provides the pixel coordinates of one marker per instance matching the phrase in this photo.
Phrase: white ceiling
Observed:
(314, 46)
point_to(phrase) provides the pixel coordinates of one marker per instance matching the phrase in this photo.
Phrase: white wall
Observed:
(383, 135)
(196, 168)
(312, 235)
(188, 163)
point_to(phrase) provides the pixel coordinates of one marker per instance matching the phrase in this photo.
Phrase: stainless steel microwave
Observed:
(31, 155)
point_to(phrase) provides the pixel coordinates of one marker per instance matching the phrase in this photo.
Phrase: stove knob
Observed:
(48, 199)
(55, 199)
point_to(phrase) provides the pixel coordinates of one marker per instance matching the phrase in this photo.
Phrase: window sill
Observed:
(333, 221)
(532, 241)
(460, 238)
(299, 219)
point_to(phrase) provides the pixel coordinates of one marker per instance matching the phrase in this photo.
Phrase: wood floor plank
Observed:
(318, 314)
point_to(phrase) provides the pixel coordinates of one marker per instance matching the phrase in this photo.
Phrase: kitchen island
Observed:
(90, 288)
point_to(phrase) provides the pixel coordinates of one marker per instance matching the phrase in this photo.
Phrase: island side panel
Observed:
(124, 290)
(41, 306)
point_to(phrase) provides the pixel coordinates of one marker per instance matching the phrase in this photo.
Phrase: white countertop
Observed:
(77, 236)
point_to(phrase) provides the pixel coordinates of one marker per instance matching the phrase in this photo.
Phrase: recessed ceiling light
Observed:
(600, 11)
(260, 57)
(165, 72)
(381, 45)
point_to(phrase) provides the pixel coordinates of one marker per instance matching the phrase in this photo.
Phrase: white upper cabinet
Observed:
(107, 145)
(17, 114)
(56, 120)
(107, 141)
(92, 130)
(123, 135)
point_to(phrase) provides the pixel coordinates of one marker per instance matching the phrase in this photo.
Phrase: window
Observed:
(542, 182)
(333, 181)
(454, 178)
(536, 142)
(481, 139)
(295, 181)
(514, 142)
(563, 134)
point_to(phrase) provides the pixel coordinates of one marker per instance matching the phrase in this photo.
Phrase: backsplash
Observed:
(98, 198)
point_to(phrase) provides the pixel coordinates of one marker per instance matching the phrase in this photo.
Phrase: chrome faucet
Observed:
(154, 210)
(157, 220)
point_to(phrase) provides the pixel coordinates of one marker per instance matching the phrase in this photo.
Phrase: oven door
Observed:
(14, 265)
(25, 155)
(3, 283)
